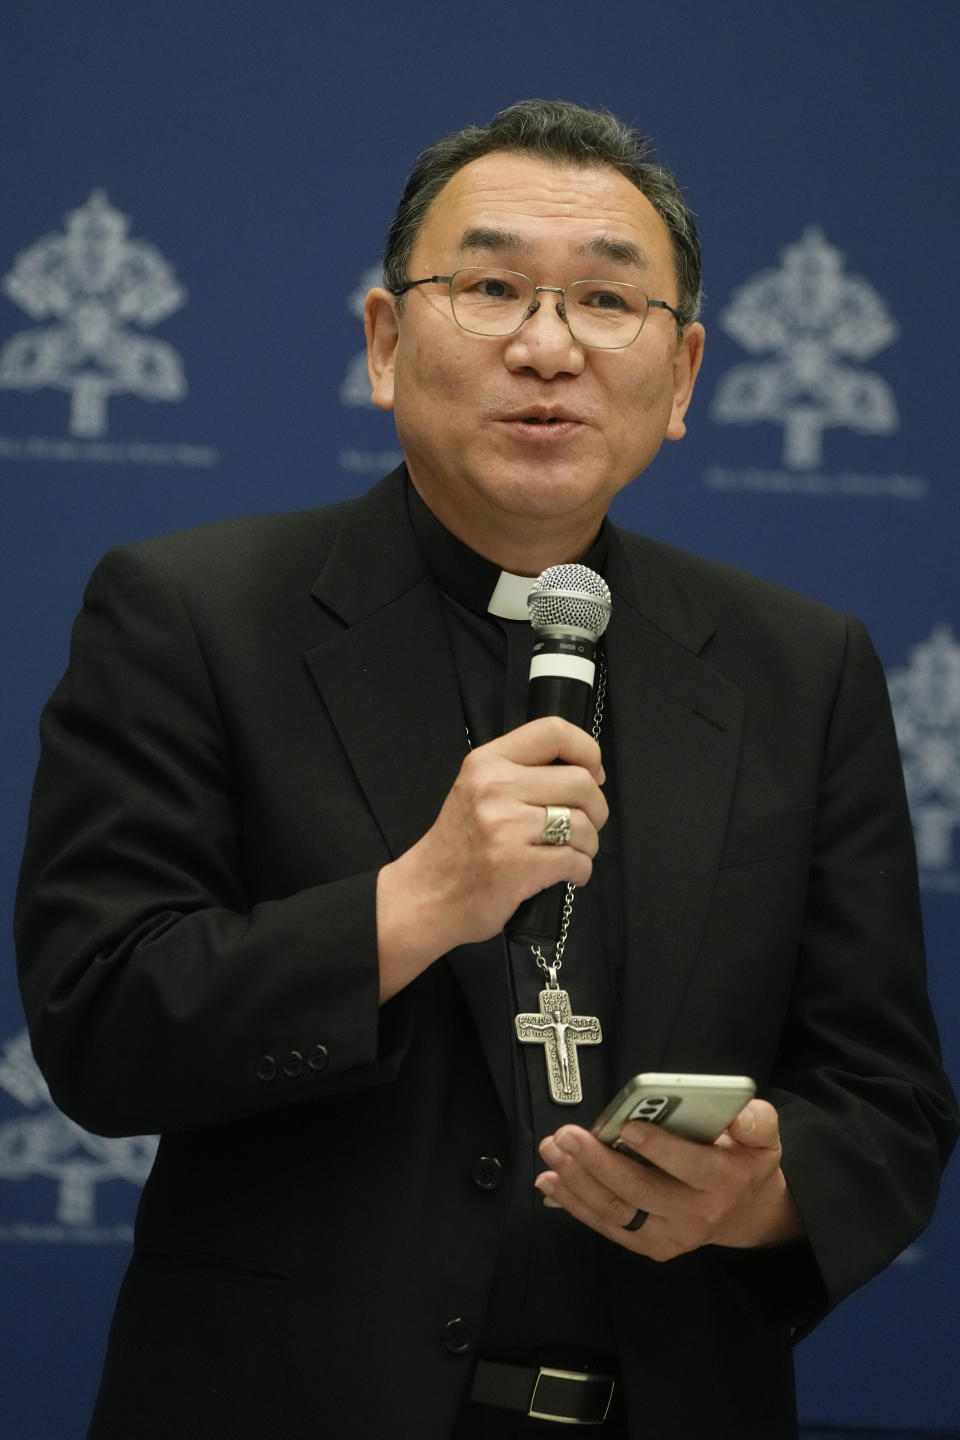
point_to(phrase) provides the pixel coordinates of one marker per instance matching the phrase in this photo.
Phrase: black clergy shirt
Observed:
(547, 1295)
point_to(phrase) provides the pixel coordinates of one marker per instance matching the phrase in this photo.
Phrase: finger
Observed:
(757, 1126)
(611, 1217)
(495, 792)
(599, 1208)
(598, 1181)
(688, 1161)
(540, 742)
(564, 785)
(552, 865)
(583, 833)
(695, 1164)
(605, 1214)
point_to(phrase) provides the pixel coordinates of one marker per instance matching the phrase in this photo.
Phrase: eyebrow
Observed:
(601, 247)
(483, 237)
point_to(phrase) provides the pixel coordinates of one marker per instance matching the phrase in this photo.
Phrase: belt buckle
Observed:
(576, 1376)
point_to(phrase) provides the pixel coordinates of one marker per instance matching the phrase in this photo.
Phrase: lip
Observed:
(558, 432)
(541, 425)
(553, 414)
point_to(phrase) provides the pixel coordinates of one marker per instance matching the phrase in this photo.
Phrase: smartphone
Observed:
(695, 1107)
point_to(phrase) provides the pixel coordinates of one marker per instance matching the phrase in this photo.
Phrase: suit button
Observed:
(293, 1065)
(266, 1068)
(457, 1337)
(318, 1058)
(487, 1172)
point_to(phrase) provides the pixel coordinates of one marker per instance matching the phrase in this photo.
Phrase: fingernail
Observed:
(747, 1122)
(569, 1143)
(547, 1190)
(549, 1150)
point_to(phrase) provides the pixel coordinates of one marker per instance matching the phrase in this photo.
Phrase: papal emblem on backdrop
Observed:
(92, 290)
(811, 326)
(925, 695)
(40, 1144)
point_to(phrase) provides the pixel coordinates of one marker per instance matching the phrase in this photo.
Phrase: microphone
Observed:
(569, 608)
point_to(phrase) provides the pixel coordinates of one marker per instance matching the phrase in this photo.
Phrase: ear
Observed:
(686, 365)
(382, 329)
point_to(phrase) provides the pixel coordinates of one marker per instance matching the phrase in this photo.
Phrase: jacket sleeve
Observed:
(867, 1114)
(163, 987)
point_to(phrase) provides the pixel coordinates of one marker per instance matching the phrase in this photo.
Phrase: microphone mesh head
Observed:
(570, 597)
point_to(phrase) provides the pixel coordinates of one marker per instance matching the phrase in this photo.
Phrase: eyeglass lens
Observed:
(602, 313)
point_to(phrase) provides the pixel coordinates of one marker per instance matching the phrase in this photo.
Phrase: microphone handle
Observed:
(558, 686)
(559, 695)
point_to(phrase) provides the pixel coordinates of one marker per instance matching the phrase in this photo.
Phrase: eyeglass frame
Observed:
(398, 291)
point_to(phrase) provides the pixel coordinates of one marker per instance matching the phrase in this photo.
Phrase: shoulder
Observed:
(239, 560)
(734, 600)
(245, 545)
(755, 632)
(723, 589)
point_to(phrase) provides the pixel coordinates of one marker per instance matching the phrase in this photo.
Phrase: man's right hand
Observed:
(483, 855)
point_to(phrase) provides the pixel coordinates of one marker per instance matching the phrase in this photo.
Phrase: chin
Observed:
(547, 495)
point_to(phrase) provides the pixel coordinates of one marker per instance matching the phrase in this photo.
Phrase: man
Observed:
(288, 806)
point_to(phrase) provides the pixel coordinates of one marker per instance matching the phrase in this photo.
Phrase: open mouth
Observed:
(543, 425)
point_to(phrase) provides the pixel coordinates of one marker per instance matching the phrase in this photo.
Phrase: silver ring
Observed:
(638, 1221)
(557, 829)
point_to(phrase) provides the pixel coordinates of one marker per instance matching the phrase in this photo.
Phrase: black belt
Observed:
(570, 1397)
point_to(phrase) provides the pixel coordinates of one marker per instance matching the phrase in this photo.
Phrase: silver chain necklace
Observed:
(554, 1025)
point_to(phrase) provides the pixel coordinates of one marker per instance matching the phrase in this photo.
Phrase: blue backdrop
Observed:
(195, 198)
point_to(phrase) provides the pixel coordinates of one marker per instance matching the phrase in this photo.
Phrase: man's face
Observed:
(530, 433)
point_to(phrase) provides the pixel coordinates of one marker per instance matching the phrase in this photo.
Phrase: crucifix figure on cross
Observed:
(559, 1032)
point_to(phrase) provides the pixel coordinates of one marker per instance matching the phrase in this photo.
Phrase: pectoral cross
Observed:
(559, 1032)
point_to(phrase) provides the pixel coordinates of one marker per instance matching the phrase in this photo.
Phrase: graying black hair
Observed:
(554, 130)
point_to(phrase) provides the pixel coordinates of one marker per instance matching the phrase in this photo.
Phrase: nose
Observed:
(544, 343)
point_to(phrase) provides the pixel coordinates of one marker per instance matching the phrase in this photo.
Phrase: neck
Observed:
(521, 544)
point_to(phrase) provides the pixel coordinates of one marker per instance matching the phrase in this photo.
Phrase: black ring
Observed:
(638, 1221)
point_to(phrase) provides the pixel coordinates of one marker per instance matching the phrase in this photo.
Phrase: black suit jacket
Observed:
(257, 716)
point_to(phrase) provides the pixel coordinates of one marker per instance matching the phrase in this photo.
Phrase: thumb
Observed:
(757, 1126)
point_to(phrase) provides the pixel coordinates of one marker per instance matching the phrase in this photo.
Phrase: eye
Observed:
(605, 300)
(478, 286)
(492, 287)
(610, 298)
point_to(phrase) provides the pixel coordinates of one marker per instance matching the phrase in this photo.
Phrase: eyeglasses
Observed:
(601, 314)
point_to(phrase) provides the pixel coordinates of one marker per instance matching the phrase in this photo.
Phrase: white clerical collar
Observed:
(509, 598)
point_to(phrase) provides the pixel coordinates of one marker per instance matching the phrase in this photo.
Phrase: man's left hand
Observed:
(729, 1193)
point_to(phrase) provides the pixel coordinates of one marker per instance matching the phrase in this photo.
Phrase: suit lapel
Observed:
(390, 688)
(388, 680)
(676, 738)
(386, 674)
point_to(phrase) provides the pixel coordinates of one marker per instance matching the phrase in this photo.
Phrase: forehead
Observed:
(546, 206)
